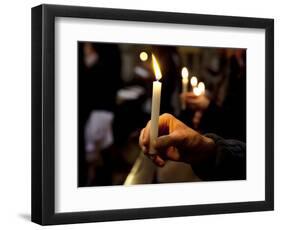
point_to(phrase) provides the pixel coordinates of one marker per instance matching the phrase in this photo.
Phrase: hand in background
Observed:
(194, 102)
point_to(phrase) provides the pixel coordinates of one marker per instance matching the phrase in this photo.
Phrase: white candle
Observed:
(155, 106)
(184, 74)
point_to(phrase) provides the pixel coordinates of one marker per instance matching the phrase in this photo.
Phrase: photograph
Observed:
(152, 114)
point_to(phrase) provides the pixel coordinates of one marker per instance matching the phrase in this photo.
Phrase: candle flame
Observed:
(197, 91)
(156, 68)
(184, 72)
(193, 81)
(201, 86)
(143, 56)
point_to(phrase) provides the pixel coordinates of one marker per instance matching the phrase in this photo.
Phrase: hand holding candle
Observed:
(155, 106)
(196, 100)
(197, 88)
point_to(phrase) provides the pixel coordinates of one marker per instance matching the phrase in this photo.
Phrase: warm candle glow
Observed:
(199, 89)
(156, 68)
(201, 86)
(193, 81)
(184, 72)
(143, 56)
(196, 91)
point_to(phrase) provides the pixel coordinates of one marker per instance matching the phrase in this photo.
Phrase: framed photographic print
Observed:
(142, 114)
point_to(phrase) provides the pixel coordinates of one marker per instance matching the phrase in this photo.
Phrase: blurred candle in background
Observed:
(199, 89)
(184, 74)
(155, 106)
(196, 91)
(193, 82)
(143, 56)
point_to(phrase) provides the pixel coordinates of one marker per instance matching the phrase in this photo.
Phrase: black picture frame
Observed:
(43, 110)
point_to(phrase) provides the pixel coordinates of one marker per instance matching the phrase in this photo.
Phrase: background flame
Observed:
(184, 72)
(193, 81)
(201, 86)
(156, 68)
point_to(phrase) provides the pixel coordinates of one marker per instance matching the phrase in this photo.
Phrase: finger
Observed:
(164, 142)
(146, 131)
(158, 161)
(173, 154)
(141, 142)
(170, 153)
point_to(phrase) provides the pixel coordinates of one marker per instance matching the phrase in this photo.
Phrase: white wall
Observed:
(15, 113)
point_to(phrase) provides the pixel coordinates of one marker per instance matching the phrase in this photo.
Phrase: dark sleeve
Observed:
(229, 162)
